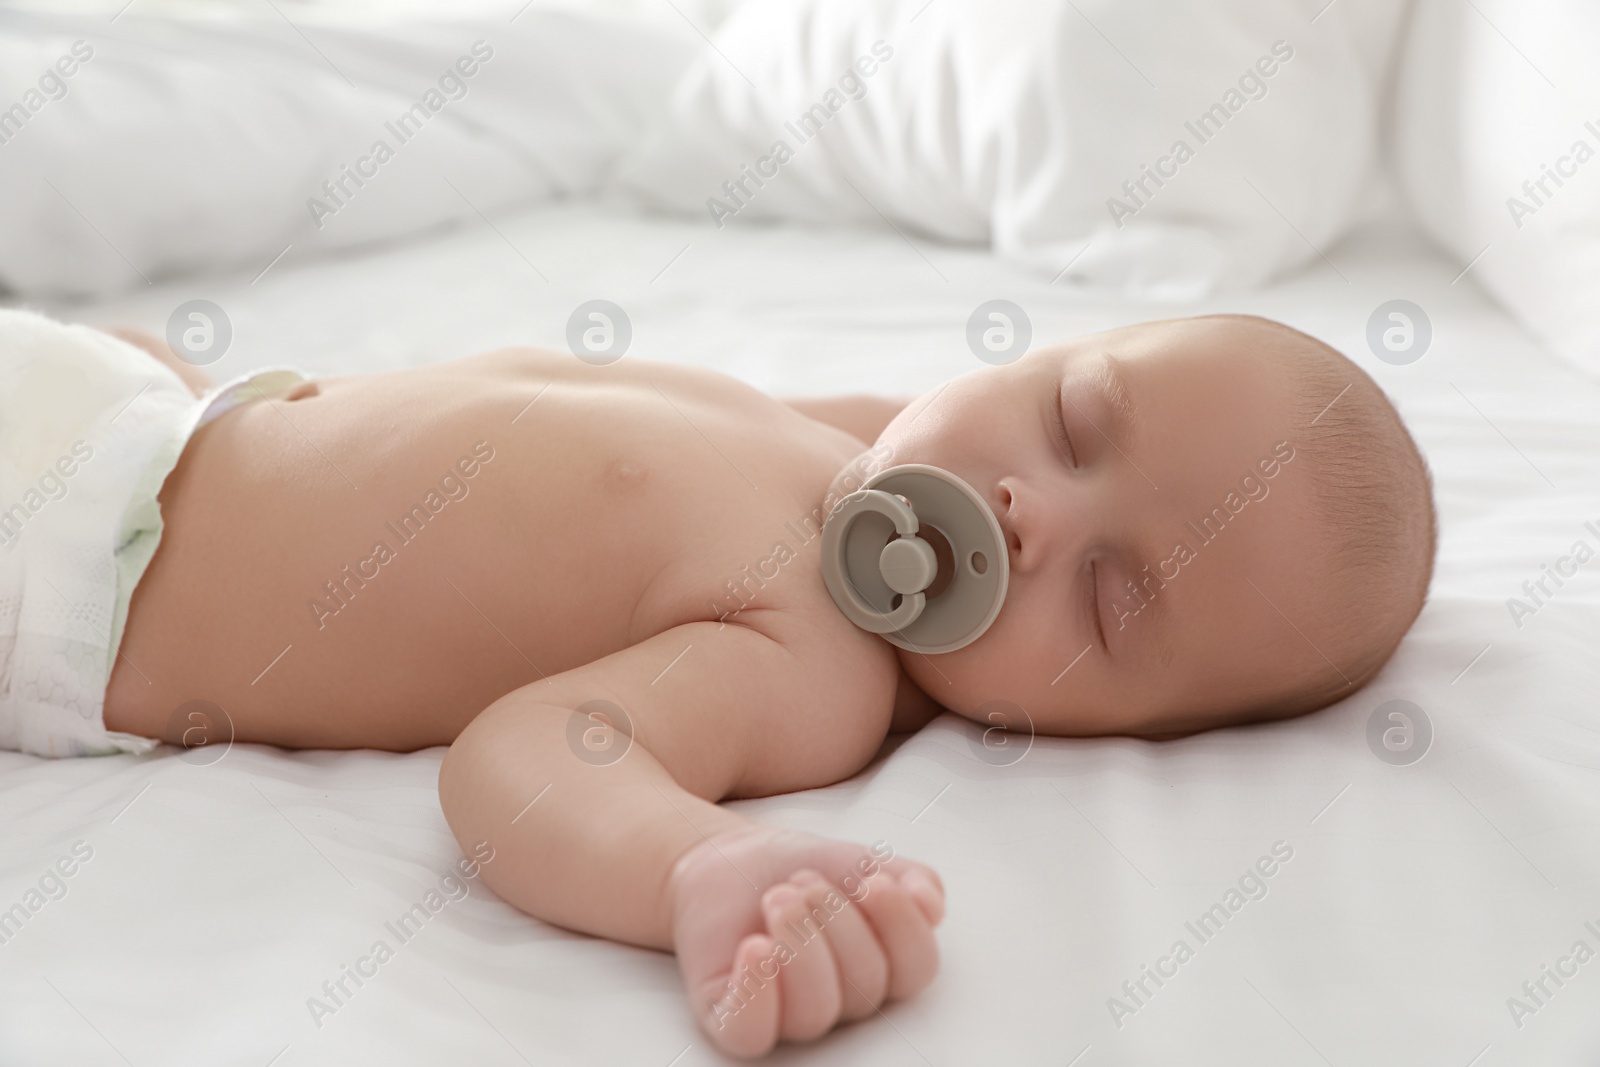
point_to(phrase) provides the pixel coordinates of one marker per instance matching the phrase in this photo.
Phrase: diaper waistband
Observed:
(254, 385)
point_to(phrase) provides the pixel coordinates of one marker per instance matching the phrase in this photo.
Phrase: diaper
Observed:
(90, 427)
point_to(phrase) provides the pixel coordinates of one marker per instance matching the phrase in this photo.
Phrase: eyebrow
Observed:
(1161, 632)
(1111, 386)
(1158, 620)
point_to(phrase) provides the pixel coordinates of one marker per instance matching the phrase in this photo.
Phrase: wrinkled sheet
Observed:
(1417, 899)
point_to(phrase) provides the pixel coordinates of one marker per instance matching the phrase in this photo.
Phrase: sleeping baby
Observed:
(603, 588)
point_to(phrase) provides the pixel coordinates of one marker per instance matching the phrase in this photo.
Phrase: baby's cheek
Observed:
(1013, 661)
(997, 665)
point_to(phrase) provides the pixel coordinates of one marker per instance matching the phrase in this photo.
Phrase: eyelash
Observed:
(1094, 603)
(1063, 441)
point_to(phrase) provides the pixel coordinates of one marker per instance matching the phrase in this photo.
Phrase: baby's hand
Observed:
(784, 935)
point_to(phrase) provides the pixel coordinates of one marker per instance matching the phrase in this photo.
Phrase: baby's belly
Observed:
(372, 565)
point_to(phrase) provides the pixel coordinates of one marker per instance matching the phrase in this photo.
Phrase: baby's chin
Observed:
(854, 474)
(956, 682)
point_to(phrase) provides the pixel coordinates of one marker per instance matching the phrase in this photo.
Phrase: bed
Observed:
(1415, 885)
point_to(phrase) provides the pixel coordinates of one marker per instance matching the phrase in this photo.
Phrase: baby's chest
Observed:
(699, 533)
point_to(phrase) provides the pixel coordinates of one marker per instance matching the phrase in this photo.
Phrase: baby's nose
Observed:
(1037, 524)
(1003, 511)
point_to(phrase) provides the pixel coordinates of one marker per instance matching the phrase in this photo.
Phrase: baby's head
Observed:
(1211, 521)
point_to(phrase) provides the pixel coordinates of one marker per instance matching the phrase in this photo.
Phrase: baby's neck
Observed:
(913, 709)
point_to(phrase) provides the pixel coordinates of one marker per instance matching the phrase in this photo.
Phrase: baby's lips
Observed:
(927, 894)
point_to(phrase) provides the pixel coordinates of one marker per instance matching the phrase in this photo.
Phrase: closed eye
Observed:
(1059, 424)
(1094, 605)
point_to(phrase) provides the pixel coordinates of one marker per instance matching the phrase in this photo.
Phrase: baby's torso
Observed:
(394, 552)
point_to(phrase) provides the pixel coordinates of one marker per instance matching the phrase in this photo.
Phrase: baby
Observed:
(600, 586)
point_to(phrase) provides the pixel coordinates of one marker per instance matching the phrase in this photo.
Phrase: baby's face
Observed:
(1164, 562)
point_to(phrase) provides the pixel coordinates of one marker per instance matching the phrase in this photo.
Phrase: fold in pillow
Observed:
(1497, 140)
(178, 146)
(1215, 148)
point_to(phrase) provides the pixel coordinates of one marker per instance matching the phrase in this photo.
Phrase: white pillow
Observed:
(1017, 123)
(1495, 98)
(179, 145)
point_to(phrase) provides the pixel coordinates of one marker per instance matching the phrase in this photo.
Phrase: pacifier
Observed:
(916, 556)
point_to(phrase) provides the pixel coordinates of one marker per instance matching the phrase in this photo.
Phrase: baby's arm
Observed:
(637, 850)
(864, 417)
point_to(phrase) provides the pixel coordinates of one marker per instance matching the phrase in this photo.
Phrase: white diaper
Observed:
(90, 427)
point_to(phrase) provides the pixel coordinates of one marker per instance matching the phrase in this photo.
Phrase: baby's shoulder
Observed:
(840, 691)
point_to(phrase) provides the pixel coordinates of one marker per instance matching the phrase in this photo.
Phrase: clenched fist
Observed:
(783, 935)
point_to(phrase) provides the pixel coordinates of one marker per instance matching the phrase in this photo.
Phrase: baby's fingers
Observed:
(863, 968)
(740, 1011)
(926, 889)
(924, 885)
(811, 997)
(903, 930)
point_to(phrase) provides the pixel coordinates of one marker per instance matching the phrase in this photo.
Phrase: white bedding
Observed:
(1418, 898)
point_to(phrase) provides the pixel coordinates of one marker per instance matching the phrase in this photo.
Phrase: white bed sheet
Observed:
(1419, 898)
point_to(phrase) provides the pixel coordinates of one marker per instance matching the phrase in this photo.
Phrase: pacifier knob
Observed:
(908, 565)
(881, 552)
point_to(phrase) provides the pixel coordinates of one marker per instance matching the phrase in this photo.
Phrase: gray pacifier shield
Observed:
(870, 554)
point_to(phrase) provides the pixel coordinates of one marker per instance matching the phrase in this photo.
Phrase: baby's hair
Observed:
(1373, 498)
